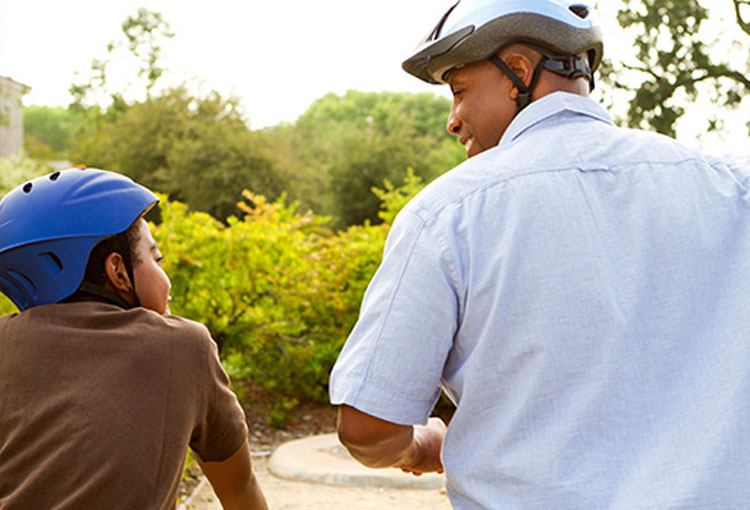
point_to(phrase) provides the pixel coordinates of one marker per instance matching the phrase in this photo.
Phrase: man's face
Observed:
(151, 282)
(482, 107)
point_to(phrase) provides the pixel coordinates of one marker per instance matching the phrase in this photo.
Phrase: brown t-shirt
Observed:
(98, 406)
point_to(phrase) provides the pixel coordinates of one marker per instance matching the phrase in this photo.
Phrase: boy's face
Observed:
(151, 282)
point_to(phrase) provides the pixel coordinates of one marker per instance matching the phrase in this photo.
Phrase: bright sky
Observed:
(277, 56)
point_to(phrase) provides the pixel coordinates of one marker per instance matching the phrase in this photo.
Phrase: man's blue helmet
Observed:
(49, 225)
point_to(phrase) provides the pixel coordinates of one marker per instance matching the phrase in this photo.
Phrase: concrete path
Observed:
(317, 472)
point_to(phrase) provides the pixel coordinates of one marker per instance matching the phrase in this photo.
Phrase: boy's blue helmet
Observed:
(49, 225)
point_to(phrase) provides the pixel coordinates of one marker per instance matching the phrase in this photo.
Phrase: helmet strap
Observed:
(572, 67)
(524, 93)
(568, 66)
(124, 249)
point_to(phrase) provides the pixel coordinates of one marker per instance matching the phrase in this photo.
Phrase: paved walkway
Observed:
(317, 472)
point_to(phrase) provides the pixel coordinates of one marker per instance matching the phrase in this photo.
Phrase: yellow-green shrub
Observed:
(278, 290)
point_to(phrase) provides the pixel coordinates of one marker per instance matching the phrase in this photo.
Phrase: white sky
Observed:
(277, 56)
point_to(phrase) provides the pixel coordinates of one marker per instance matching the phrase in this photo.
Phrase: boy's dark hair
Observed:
(123, 243)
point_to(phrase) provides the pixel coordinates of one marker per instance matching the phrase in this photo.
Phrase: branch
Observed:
(645, 70)
(715, 73)
(300, 341)
(744, 25)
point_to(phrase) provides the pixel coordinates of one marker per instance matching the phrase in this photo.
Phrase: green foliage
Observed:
(393, 198)
(16, 170)
(675, 59)
(343, 146)
(37, 149)
(278, 290)
(197, 149)
(54, 127)
(144, 33)
(6, 306)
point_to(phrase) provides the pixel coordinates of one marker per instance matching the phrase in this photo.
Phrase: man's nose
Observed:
(454, 125)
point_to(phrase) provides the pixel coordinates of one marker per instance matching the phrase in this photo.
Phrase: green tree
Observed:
(678, 59)
(53, 126)
(197, 149)
(18, 169)
(343, 146)
(144, 35)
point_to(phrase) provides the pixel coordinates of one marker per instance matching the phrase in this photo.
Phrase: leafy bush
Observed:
(6, 306)
(16, 170)
(278, 290)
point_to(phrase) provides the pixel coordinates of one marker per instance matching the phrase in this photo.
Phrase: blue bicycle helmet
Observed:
(49, 225)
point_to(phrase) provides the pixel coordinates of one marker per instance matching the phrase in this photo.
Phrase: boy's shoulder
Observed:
(102, 322)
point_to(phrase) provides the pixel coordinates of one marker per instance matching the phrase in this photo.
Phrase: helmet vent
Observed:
(21, 282)
(54, 176)
(18, 288)
(51, 263)
(582, 11)
(27, 187)
(11, 290)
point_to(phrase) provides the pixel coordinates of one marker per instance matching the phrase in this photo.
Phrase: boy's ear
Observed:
(117, 274)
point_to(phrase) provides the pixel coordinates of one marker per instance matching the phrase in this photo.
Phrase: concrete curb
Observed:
(322, 459)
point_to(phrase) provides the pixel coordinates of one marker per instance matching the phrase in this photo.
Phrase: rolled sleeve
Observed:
(393, 360)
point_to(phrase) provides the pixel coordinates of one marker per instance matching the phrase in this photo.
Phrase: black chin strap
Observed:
(124, 250)
(570, 66)
(524, 92)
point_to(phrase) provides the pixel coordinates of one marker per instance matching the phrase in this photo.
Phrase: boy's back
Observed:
(89, 383)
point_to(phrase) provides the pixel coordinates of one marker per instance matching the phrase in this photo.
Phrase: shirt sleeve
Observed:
(221, 429)
(392, 362)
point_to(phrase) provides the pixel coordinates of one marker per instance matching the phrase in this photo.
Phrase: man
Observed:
(580, 291)
(101, 390)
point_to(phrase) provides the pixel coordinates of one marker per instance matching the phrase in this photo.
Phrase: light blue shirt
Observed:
(582, 293)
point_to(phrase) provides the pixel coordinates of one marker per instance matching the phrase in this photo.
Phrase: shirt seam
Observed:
(431, 216)
(368, 369)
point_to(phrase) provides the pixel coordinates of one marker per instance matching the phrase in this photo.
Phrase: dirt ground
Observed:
(288, 495)
(292, 495)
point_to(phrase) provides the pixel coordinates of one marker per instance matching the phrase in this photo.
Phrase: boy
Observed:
(101, 390)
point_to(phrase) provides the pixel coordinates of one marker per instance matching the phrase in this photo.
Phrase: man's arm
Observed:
(379, 443)
(234, 482)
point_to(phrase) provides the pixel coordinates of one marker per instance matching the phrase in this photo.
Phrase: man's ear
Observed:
(523, 67)
(117, 274)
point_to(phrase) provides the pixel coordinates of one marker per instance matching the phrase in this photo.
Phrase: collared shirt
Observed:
(582, 293)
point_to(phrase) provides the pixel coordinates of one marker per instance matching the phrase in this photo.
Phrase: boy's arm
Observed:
(234, 482)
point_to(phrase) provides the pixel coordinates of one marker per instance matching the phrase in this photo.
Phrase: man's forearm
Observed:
(379, 451)
(378, 443)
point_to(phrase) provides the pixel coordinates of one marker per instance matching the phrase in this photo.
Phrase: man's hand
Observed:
(427, 444)
(379, 443)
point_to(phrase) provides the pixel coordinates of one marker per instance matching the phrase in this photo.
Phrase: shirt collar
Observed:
(550, 106)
